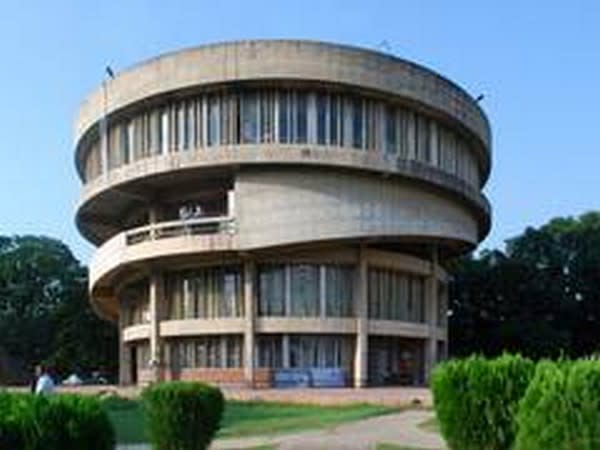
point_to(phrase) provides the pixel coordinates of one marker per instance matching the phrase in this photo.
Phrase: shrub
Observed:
(476, 400)
(561, 407)
(182, 416)
(66, 422)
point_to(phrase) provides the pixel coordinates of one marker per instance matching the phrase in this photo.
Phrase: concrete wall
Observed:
(276, 207)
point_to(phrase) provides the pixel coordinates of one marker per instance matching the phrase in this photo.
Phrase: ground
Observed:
(381, 419)
(397, 431)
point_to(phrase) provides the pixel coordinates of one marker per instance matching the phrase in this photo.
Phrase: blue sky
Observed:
(538, 64)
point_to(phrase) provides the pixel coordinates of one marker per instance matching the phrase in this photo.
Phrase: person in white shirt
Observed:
(45, 383)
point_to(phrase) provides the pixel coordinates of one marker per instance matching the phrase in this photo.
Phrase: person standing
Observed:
(45, 383)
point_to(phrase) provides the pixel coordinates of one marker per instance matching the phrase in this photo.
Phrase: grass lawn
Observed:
(248, 418)
(386, 446)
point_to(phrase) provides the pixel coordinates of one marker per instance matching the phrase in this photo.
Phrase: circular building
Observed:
(279, 212)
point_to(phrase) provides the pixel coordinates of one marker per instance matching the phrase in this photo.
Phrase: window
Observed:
(249, 118)
(205, 352)
(124, 143)
(308, 351)
(213, 120)
(357, 123)
(269, 351)
(205, 293)
(305, 290)
(301, 117)
(335, 120)
(267, 117)
(284, 117)
(396, 296)
(322, 119)
(271, 294)
(339, 291)
(391, 136)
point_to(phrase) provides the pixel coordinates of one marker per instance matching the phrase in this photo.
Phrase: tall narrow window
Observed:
(124, 143)
(305, 290)
(357, 123)
(334, 120)
(213, 120)
(391, 138)
(249, 118)
(322, 119)
(271, 295)
(284, 122)
(339, 292)
(301, 118)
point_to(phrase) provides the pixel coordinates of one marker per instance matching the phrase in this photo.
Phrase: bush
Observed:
(561, 408)
(65, 422)
(476, 400)
(182, 416)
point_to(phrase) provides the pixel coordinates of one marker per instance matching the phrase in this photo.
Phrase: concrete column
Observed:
(153, 218)
(361, 354)
(431, 310)
(249, 322)
(124, 359)
(155, 301)
(285, 350)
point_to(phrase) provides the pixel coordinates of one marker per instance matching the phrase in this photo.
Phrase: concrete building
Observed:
(279, 212)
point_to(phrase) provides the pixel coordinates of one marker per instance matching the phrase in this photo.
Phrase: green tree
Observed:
(540, 296)
(44, 312)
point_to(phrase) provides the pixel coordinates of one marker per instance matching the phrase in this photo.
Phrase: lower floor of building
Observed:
(342, 316)
(284, 360)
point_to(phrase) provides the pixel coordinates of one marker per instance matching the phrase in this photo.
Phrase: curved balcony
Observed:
(172, 238)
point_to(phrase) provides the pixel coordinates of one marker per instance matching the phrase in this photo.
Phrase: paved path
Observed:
(401, 429)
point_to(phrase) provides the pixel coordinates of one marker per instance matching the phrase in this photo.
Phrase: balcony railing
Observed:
(178, 228)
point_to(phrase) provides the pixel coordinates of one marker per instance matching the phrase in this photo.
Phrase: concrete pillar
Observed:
(285, 351)
(431, 310)
(361, 354)
(124, 355)
(155, 301)
(249, 322)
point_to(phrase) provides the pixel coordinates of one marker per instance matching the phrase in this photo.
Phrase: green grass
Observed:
(247, 418)
(387, 446)
(262, 418)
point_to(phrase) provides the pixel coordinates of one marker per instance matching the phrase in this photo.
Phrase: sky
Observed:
(536, 62)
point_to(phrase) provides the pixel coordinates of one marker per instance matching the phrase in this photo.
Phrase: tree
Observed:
(539, 297)
(44, 312)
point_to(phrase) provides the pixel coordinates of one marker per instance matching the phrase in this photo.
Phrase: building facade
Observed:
(279, 212)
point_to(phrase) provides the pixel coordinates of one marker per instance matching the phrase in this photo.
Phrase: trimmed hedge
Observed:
(60, 422)
(476, 400)
(181, 415)
(561, 408)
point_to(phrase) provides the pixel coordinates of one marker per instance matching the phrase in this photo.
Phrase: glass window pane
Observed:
(302, 118)
(271, 301)
(213, 120)
(284, 125)
(322, 119)
(357, 123)
(249, 119)
(305, 290)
